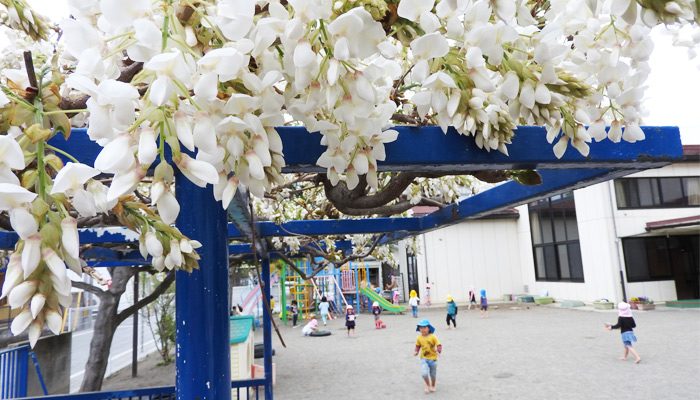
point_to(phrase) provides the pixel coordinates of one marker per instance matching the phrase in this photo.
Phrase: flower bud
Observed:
(23, 222)
(13, 274)
(34, 332)
(31, 254)
(69, 237)
(37, 304)
(21, 322)
(153, 245)
(21, 294)
(53, 321)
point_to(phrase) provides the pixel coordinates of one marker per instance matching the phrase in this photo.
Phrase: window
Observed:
(555, 241)
(669, 192)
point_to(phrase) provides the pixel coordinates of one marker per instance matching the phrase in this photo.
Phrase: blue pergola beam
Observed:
(331, 227)
(661, 147)
(87, 236)
(427, 149)
(511, 194)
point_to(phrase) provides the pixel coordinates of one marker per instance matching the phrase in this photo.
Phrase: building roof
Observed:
(508, 213)
(691, 152)
(674, 223)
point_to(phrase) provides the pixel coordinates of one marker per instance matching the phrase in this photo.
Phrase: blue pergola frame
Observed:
(203, 368)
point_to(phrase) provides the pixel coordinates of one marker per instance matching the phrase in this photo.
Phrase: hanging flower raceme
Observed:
(201, 87)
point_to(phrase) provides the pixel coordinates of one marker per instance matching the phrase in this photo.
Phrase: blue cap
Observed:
(425, 322)
(483, 292)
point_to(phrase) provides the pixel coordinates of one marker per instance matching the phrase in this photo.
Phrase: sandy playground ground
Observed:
(538, 353)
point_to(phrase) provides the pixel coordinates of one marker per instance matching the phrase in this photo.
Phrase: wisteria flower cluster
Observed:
(211, 79)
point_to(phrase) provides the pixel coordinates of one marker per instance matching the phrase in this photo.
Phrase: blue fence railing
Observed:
(13, 372)
(244, 389)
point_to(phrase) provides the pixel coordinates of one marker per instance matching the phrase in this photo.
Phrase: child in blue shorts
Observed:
(429, 347)
(626, 325)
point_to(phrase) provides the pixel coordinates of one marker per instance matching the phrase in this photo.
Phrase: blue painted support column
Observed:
(267, 327)
(202, 338)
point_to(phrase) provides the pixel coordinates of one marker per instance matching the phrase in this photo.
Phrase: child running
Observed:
(428, 345)
(484, 304)
(626, 325)
(350, 320)
(413, 301)
(451, 312)
(324, 308)
(377, 311)
(472, 298)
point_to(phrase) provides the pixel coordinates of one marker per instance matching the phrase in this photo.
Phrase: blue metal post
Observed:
(267, 327)
(202, 335)
(39, 375)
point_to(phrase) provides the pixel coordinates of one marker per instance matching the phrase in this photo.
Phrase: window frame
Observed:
(553, 213)
(657, 180)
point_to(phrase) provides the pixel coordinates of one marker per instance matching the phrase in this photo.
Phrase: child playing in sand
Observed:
(324, 308)
(472, 297)
(350, 320)
(310, 327)
(626, 325)
(295, 313)
(413, 301)
(377, 311)
(484, 304)
(428, 345)
(451, 312)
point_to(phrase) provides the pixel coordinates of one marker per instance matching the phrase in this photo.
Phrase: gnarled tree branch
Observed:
(312, 253)
(89, 288)
(160, 289)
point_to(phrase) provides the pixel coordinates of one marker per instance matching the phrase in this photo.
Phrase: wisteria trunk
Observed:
(105, 326)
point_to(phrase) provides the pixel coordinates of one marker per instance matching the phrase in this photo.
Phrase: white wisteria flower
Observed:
(72, 177)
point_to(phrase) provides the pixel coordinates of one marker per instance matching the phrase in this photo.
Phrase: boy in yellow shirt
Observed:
(429, 347)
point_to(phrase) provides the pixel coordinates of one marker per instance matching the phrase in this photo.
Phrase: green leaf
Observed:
(526, 177)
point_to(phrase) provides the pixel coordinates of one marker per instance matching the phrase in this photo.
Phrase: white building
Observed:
(639, 234)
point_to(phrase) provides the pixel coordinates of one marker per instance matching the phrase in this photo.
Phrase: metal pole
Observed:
(267, 327)
(135, 331)
(202, 334)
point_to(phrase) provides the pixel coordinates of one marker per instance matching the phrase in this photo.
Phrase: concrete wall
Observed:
(482, 253)
(54, 355)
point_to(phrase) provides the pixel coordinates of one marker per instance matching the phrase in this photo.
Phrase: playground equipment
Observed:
(242, 349)
(383, 303)
(251, 302)
(301, 291)
(308, 293)
(355, 276)
(327, 285)
(202, 303)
